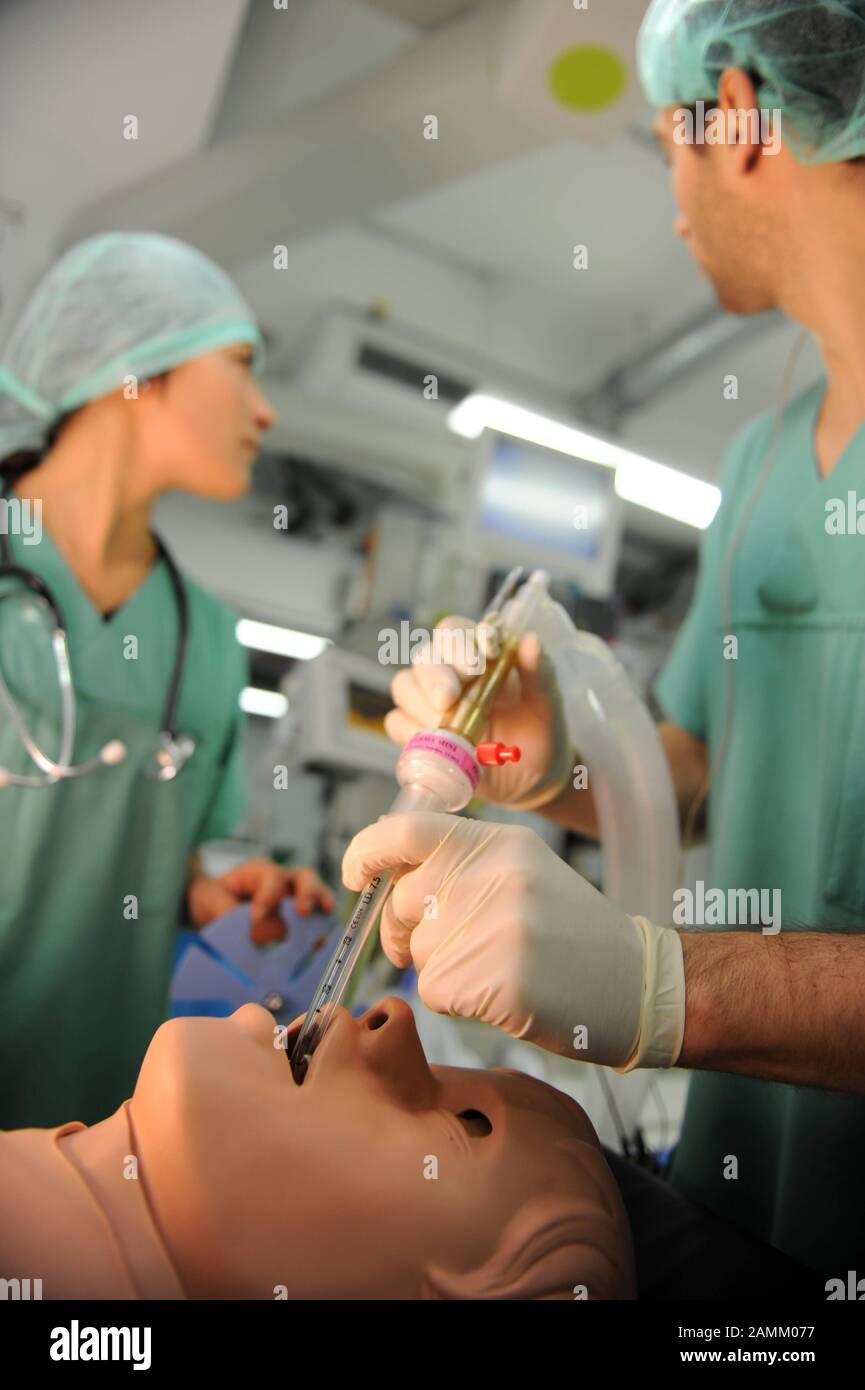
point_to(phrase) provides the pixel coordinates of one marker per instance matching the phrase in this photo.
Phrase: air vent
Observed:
(401, 371)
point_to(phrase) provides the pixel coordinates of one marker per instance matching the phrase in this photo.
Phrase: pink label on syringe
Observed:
(436, 741)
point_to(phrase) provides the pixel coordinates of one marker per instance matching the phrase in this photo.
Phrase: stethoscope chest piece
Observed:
(171, 757)
(173, 750)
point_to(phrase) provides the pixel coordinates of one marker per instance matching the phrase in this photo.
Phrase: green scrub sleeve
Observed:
(229, 802)
(682, 687)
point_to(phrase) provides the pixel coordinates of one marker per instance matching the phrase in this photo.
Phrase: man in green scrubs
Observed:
(784, 712)
(130, 373)
(764, 699)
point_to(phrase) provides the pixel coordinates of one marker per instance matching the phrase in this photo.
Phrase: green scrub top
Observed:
(94, 869)
(786, 811)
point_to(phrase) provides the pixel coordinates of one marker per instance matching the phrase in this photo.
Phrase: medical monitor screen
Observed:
(541, 508)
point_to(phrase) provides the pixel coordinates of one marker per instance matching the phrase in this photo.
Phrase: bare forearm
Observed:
(783, 1008)
(194, 871)
(687, 759)
(575, 808)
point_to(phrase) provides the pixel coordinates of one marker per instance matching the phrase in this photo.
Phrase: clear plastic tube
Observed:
(350, 945)
(615, 737)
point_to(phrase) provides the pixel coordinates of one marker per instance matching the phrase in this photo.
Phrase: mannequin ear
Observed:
(553, 1248)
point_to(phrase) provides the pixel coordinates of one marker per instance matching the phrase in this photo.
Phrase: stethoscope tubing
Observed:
(55, 770)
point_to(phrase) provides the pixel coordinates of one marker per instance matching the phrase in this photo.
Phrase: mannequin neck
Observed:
(93, 1235)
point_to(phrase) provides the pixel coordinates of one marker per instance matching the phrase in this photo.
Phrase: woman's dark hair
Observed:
(14, 466)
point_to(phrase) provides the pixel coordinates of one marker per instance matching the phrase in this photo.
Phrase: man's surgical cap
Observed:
(806, 58)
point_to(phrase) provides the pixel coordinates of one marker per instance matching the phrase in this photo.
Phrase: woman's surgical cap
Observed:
(116, 305)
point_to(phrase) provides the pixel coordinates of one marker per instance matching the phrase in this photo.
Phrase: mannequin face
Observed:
(328, 1188)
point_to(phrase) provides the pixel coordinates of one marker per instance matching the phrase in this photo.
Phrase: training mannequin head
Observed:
(379, 1177)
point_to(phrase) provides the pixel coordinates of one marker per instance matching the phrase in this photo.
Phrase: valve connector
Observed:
(494, 754)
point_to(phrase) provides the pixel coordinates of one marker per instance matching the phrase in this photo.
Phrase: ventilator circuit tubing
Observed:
(627, 770)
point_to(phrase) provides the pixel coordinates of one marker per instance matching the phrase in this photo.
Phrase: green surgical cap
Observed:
(117, 305)
(807, 59)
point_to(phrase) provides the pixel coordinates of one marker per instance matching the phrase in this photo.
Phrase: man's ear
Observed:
(60, 425)
(159, 381)
(736, 92)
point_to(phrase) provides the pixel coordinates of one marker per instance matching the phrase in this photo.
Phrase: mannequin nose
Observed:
(391, 1010)
(392, 1050)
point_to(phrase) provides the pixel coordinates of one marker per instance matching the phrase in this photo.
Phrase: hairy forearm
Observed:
(687, 759)
(784, 1008)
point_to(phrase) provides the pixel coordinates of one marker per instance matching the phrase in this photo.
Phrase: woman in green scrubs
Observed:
(129, 374)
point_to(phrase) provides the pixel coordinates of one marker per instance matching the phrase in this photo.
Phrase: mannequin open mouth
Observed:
(373, 1019)
(299, 1068)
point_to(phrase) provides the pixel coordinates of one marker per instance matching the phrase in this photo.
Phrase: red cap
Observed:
(494, 754)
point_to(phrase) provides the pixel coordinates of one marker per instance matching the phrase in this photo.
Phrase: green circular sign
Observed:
(587, 77)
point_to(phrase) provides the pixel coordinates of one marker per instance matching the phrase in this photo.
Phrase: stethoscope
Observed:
(173, 749)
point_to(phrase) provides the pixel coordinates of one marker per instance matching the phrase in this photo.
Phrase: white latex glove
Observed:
(499, 928)
(528, 712)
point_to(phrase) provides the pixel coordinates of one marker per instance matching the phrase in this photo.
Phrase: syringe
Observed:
(438, 771)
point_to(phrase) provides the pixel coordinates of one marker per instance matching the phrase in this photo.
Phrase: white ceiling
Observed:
(70, 71)
(424, 13)
(261, 126)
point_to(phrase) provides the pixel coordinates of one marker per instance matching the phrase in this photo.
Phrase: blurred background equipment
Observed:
(484, 347)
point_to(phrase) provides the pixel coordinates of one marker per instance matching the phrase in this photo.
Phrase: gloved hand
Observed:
(528, 712)
(499, 928)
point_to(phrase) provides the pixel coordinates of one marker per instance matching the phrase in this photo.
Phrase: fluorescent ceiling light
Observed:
(667, 491)
(282, 641)
(638, 479)
(478, 412)
(268, 703)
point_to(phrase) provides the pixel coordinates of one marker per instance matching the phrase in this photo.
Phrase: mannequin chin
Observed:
(379, 1177)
